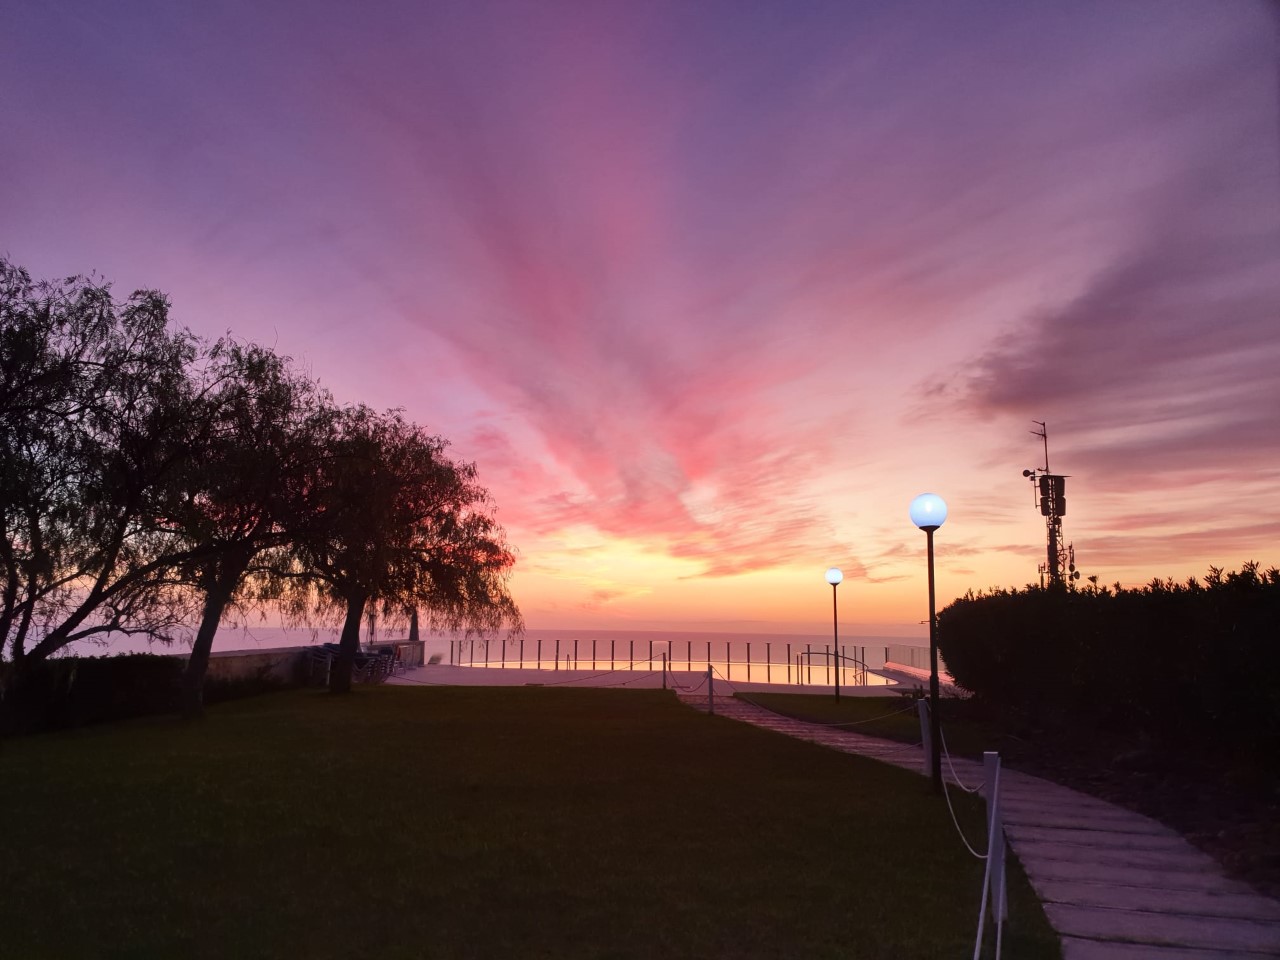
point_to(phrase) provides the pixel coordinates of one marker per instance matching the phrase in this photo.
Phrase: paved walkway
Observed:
(1115, 885)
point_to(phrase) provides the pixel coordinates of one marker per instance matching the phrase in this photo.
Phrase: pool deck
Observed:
(450, 676)
(1115, 885)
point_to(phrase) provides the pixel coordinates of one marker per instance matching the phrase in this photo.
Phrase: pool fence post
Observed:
(522, 653)
(613, 647)
(995, 827)
(664, 671)
(539, 653)
(557, 653)
(503, 654)
(788, 663)
(632, 655)
(926, 738)
(711, 689)
(768, 663)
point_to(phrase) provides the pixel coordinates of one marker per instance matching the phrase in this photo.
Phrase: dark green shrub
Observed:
(1195, 663)
(72, 691)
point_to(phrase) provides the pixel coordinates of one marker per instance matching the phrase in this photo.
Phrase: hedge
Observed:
(1182, 663)
(72, 691)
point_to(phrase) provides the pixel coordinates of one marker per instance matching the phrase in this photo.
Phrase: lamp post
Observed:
(928, 512)
(834, 576)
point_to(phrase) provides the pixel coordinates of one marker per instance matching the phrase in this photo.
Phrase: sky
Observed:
(710, 291)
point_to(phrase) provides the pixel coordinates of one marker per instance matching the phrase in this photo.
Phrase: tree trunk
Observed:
(217, 596)
(340, 678)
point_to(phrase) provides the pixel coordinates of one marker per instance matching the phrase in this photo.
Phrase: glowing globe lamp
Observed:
(928, 511)
(834, 576)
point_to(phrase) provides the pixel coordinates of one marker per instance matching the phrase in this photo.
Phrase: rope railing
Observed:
(951, 766)
(956, 823)
(671, 679)
(994, 896)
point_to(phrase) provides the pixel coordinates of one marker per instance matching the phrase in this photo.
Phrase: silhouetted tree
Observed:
(397, 527)
(262, 426)
(94, 404)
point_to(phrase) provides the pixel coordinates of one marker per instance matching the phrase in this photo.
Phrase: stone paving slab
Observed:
(1184, 902)
(1027, 812)
(1047, 871)
(1138, 926)
(1186, 858)
(1115, 885)
(1095, 835)
(1076, 949)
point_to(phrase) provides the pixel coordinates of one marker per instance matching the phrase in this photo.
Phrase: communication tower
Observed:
(1050, 495)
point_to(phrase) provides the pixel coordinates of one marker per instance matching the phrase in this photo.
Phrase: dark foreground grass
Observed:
(453, 822)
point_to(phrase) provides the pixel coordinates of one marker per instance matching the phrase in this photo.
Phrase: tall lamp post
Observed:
(928, 512)
(834, 576)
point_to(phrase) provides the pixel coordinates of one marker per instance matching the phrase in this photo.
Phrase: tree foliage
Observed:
(397, 526)
(93, 428)
(262, 428)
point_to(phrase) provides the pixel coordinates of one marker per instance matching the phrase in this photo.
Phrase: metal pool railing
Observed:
(754, 661)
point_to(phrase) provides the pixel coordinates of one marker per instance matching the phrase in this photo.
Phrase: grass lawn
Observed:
(456, 822)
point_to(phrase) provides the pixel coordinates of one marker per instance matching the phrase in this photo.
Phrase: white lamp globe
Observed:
(834, 576)
(928, 511)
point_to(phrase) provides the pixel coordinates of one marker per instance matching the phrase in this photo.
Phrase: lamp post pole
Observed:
(834, 576)
(928, 512)
(935, 733)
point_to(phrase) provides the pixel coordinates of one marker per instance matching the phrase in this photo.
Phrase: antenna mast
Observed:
(1050, 495)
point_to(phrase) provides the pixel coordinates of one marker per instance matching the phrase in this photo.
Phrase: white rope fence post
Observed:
(926, 739)
(995, 824)
(993, 881)
(711, 692)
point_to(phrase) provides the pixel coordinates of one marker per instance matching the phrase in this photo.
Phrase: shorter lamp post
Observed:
(834, 576)
(928, 512)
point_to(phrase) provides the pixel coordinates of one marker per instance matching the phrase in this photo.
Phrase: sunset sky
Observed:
(710, 290)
